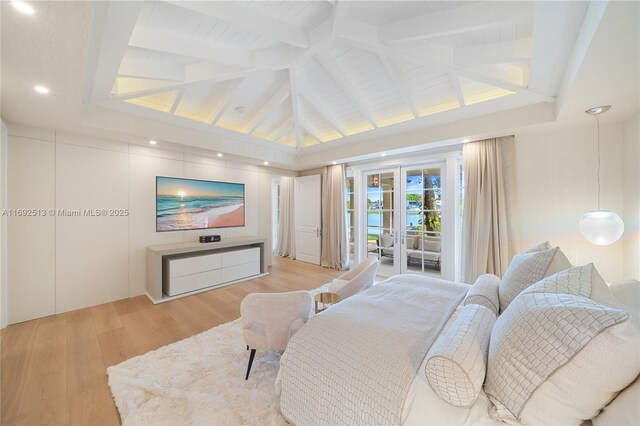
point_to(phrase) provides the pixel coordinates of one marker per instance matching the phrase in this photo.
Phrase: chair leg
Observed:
(251, 356)
(247, 347)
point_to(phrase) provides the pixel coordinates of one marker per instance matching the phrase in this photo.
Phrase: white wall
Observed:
(57, 263)
(556, 184)
(3, 225)
(631, 189)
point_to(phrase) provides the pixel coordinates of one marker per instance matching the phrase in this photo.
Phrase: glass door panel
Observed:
(382, 238)
(422, 200)
(350, 194)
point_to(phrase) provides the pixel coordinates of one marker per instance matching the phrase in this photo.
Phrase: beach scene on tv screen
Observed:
(195, 204)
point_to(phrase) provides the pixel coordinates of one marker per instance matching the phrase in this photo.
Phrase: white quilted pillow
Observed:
(457, 363)
(485, 292)
(561, 351)
(527, 269)
(539, 247)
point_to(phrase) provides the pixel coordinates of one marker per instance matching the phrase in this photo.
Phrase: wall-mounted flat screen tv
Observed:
(183, 204)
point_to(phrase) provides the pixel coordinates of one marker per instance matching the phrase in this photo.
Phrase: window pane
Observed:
(373, 219)
(414, 201)
(387, 219)
(387, 200)
(373, 200)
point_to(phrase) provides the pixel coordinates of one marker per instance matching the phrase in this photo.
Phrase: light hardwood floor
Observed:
(54, 368)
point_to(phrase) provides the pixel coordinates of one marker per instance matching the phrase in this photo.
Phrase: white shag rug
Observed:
(199, 381)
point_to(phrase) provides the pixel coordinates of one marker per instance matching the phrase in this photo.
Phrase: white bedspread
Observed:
(355, 363)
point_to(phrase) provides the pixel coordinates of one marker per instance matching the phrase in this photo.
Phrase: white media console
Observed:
(178, 270)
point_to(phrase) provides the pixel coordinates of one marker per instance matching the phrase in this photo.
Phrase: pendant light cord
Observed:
(598, 121)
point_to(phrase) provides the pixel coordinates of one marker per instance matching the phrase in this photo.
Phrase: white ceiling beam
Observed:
(457, 88)
(310, 128)
(342, 80)
(111, 28)
(514, 84)
(201, 75)
(144, 38)
(560, 31)
(282, 128)
(400, 83)
(494, 53)
(249, 20)
(176, 100)
(154, 70)
(339, 16)
(295, 104)
(476, 16)
(224, 101)
(273, 102)
(324, 110)
(273, 59)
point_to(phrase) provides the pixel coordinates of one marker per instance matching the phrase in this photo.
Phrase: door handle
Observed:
(395, 235)
(402, 237)
(318, 232)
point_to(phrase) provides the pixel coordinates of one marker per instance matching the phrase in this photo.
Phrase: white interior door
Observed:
(308, 226)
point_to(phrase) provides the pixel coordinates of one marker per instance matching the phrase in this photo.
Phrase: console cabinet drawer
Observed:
(240, 257)
(194, 265)
(187, 283)
(238, 272)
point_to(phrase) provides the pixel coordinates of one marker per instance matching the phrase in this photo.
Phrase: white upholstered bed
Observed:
(380, 357)
(304, 382)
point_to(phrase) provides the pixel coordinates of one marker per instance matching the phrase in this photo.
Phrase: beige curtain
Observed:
(485, 241)
(286, 222)
(335, 248)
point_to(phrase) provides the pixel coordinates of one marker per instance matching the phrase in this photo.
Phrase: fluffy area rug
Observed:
(198, 381)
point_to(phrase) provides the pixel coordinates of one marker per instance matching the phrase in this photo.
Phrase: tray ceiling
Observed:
(303, 73)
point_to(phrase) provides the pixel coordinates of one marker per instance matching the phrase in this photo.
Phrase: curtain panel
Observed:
(286, 222)
(485, 239)
(335, 248)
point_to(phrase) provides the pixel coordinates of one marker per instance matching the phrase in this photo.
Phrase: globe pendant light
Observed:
(600, 227)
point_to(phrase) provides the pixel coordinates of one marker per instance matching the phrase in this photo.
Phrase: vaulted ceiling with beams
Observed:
(310, 72)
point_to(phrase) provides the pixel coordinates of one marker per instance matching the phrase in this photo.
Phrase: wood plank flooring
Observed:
(54, 369)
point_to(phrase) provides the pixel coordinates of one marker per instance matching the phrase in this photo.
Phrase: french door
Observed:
(404, 219)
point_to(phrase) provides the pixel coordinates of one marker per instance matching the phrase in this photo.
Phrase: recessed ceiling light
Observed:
(41, 89)
(266, 163)
(384, 154)
(219, 154)
(598, 110)
(466, 140)
(334, 163)
(23, 7)
(152, 142)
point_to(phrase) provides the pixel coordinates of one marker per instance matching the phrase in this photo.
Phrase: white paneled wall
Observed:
(30, 240)
(91, 251)
(61, 263)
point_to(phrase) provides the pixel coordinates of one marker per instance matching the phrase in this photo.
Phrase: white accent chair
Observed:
(355, 280)
(269, 320)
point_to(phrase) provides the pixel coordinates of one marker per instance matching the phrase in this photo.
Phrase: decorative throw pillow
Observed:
(484, 292)
(524, 270)
(411, 243)
(539, 247)
(552, 352)
(386, 240)
(457, 363)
